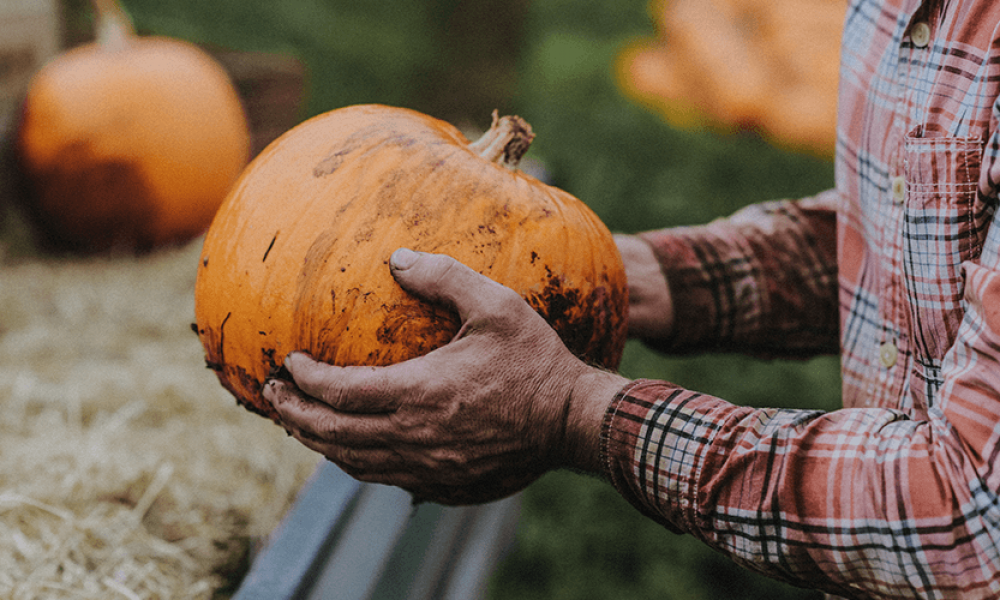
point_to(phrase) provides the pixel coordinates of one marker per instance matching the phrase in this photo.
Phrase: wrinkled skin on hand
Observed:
(473, 421)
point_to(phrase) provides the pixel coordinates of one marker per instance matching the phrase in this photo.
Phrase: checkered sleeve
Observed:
(868, 502)
(860, 503)
(762, 281)
(872, 502)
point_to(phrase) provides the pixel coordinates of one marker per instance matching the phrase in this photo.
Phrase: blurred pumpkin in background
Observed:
(129, 143)
(768, 66)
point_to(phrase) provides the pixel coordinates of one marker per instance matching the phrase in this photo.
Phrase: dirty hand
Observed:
(475, 420)
(650, 309)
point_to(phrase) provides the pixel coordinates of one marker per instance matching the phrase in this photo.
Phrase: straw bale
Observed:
(126, 471)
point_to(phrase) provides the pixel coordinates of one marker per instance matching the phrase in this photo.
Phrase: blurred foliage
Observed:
(448, 58)
(551, 61)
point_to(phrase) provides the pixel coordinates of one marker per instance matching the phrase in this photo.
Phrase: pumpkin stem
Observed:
(114, 28)
(506, 142)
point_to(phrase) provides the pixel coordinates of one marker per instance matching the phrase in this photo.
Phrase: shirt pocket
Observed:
(941, 229)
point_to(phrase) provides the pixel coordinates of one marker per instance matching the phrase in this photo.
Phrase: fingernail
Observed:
(293, 358)
(270, 392)
(403, 259)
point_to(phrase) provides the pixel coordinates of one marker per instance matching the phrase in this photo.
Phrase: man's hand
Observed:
(475, 420)
(650, 310)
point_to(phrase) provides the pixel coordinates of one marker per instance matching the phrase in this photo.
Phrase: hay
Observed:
(126, 471)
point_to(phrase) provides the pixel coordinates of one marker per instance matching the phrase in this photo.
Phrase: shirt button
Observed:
(921, 34)
(887, 354)
(898, 189)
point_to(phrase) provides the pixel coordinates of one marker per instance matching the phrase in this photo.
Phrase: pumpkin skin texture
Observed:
(297, 256)
(130, 146)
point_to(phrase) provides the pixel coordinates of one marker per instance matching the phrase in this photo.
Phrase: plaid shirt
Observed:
(898, 270)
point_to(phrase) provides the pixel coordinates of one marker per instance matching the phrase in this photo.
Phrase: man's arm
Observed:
(866, 502)
(855, 502)
(761, 282)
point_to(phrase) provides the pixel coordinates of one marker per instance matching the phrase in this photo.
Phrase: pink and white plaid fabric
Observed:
(897, 495)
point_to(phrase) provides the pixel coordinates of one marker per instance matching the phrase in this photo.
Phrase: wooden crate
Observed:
(29, 36)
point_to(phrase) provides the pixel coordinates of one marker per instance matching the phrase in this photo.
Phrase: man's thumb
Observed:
(441, 278)
(403, 259)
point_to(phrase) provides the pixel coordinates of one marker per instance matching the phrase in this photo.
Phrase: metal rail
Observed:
(348, 540)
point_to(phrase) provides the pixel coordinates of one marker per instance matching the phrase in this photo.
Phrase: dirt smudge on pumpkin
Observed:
(268, 354)
(330, 334)
(270, 246)
(387, 197)
(213, 341)
(244, 386)
(328, 165)
(335, 158)
(589, 324)
(358, 140)
(402, 140)
(326, 339)
(414, 329)
(363, 235)
(321, 318)
(248, 387)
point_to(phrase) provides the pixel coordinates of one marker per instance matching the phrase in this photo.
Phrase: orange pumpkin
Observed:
(130, 142)
(297, 256)
(770, 66)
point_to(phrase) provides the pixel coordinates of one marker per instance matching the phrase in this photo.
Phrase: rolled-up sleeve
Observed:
(762, 282)
(856, 502)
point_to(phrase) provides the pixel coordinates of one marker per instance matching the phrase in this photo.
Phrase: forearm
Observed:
(762, 282)
(853, 502)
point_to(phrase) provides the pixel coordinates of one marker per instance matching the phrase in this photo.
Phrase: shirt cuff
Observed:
(626, 436)
(713, 288)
